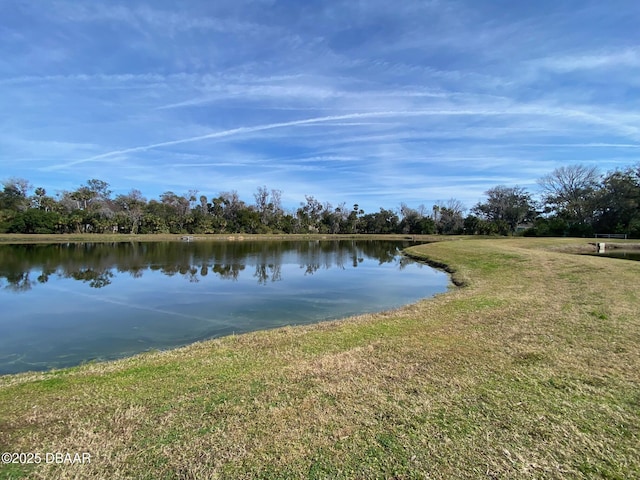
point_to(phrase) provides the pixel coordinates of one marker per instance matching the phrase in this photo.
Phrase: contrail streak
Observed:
(131, 305)
(271, 126)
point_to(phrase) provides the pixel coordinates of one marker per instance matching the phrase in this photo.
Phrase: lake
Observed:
(66, 304)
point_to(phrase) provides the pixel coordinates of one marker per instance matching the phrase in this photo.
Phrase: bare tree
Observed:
(14, 194)
(450, 220)
(262, 203)
(192, 196)
(570, 190)
(132, 207)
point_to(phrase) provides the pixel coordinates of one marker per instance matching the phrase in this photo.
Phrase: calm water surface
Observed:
(622, 254)
(65, 304)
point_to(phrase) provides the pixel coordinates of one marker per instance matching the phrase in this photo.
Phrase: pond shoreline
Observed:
(119, 305)
(110, 238)
(617, 246)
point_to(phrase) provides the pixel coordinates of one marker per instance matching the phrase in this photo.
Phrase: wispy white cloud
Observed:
(260, 128)
(339, 99)
(628, 57)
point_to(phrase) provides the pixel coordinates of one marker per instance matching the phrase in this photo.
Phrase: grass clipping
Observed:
(530, 371)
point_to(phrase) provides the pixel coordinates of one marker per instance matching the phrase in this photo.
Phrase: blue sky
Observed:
(359, 101)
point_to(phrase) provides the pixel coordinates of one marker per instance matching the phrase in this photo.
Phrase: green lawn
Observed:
(531, 370)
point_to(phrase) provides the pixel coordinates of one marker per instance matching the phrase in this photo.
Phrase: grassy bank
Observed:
(531, 370)
(169, 237)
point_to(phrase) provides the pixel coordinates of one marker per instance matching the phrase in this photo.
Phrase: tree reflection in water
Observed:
(95, 263)
(69, 303)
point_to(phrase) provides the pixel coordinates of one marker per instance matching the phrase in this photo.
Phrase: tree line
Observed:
(575, 200)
